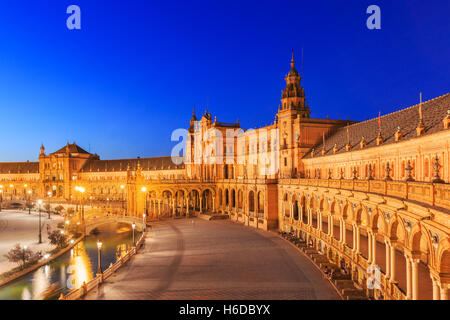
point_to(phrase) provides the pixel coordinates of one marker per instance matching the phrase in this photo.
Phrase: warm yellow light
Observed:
(49, 193)
(133, 225)
(40, 201)
(25, 185)
(99, 244)
(122, 186)
(144, 189)
(11, 186)
(29, 191)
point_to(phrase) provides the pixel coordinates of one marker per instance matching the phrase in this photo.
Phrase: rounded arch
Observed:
(378, 221)
(443, 256)
(251, 201)
(260, 202)
(397, 231)
(420, 241)
(295, 207)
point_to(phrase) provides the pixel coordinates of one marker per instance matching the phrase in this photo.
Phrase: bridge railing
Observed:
(85, 288)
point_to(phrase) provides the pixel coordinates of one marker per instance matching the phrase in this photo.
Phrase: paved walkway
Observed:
(197, 259)
(21, 227)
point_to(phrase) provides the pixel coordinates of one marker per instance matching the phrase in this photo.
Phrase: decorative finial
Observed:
(388, 170)
(370, 172)
(420, 127)
(363, 143)
(437, 168)
(408, 169)
(446, 120)
(398, 134)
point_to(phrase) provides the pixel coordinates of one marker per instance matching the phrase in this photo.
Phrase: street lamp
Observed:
(40, 231)
(29, 202)
(134, 227)
(143, 220)
(49, 196)
(99, 247)
(12, 190)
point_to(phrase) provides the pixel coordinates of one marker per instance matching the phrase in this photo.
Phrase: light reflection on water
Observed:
(73, 268)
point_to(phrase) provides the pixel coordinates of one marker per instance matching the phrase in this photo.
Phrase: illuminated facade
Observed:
(368, 193)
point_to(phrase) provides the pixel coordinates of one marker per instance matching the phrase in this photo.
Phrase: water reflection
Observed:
(73, 268)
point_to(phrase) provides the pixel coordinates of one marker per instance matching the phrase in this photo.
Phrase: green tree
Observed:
(20, 255)
(58, 238)
(47, 207)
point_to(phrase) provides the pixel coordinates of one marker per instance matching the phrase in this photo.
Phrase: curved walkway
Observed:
(197, 259)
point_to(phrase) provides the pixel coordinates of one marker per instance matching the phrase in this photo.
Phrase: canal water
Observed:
(74, 267)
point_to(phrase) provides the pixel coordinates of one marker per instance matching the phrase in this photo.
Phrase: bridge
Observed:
(93, 222)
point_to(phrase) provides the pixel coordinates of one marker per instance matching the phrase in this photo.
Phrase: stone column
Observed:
(444, 291)
(369, 246)
(344, 233)
(187, 207)
(415, 278)
(214, 204)
(160, 204)
(388, 260)
(173, 208)
(358, 240)
(436, 289)
(392, 249)
(329, 224)
(408, 278)
(201, 204)
(374, 248)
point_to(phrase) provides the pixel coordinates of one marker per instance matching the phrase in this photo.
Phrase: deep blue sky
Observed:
(132, 73)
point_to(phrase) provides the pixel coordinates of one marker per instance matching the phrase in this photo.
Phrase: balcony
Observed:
(434, 194)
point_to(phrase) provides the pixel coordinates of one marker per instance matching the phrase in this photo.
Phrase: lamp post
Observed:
(99, 247)
(143, 220)
(40, 232)
(49, 197)
(29, 201)
(133, 226)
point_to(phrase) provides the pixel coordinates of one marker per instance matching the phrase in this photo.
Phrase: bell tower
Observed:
(293, 96)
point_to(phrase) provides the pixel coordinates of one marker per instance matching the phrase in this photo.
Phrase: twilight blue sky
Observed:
(130, 76)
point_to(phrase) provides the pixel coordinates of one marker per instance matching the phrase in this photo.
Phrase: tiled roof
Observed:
(73, 148)
(19, 167)
(157, 163)
(434, 112)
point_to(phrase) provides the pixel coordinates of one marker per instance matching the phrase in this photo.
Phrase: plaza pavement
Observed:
(197, 259)
(20, 227)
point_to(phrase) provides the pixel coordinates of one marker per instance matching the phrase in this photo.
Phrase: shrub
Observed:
(19, 255)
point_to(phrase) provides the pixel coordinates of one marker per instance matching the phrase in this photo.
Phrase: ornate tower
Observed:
(293, 96)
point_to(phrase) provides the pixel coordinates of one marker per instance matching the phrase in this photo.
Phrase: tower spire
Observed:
(292, 59)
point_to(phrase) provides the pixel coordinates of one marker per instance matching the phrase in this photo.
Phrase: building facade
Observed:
(372, 193)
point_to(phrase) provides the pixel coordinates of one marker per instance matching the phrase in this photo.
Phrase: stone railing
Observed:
(435, 194)
(100, 278)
